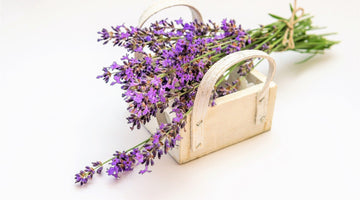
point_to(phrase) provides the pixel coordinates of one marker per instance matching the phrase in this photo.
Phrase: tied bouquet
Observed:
(171, 58)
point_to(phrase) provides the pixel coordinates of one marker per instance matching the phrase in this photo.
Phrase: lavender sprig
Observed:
(178, 66)
(175, 57)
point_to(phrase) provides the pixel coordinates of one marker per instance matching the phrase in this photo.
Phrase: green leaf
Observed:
(276, 17)
(291, 8)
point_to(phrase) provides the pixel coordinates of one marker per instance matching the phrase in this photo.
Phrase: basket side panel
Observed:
(232, 120)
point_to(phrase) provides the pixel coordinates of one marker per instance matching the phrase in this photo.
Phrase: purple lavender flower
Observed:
(99, 166)
(179, 117)
(81, 178)
(170, 72)
(106, 75)
(114, 66)
(174, 58)
(85, 175)
(138, 98)
(144, 170)
(139, 157)
(179, 21)
(156, 139)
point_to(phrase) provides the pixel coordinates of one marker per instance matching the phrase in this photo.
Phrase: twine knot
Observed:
(289, 33)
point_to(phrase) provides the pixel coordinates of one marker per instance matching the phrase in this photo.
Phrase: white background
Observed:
(56, 117)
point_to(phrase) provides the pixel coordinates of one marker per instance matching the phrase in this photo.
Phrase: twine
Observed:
(289, 33)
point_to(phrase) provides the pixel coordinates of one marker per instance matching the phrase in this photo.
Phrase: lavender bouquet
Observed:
(174, 56)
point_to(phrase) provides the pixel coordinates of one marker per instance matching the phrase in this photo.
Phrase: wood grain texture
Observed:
(230, 121)
(206, 87)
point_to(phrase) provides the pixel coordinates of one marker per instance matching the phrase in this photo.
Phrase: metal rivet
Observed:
(262, 119)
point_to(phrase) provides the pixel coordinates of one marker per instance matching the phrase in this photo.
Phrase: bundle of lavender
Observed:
(180, 55)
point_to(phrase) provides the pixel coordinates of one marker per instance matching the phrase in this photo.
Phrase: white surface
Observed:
(56, 117)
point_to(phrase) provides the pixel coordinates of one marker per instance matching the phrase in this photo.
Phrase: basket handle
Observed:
(207, 85)
(162, 5)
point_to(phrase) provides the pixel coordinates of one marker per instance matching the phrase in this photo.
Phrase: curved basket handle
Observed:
(207, 86)
(162, 5)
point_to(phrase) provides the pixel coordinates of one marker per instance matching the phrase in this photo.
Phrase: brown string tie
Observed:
(289, 33)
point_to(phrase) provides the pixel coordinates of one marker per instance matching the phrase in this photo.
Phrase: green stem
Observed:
(265, 35)
(268, 39)
(142, 143)
(132, 148)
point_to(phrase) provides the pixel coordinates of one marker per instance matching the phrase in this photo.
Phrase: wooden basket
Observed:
(235, 117)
